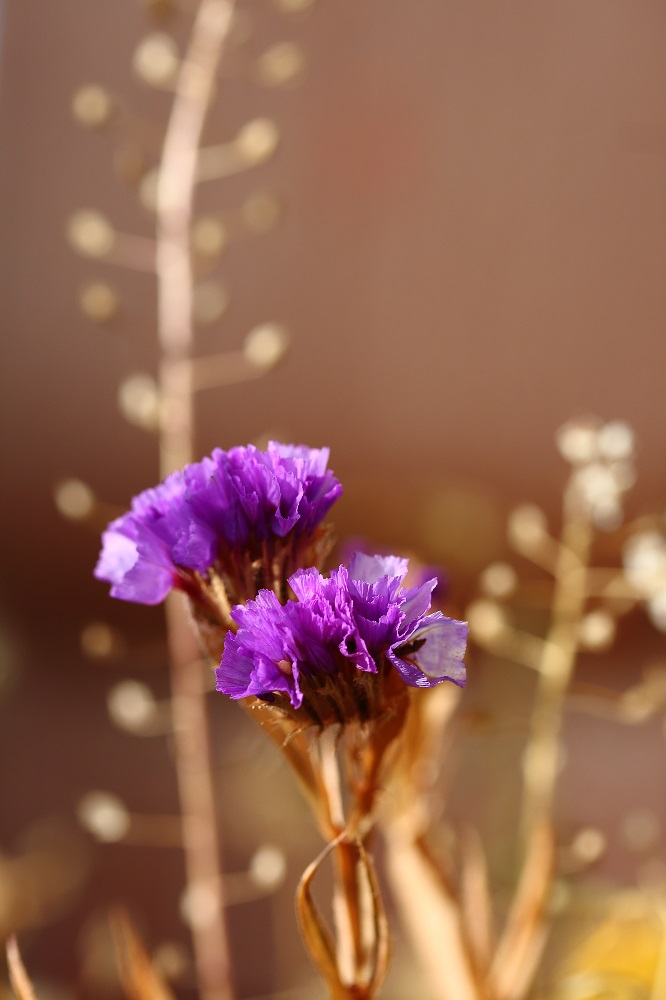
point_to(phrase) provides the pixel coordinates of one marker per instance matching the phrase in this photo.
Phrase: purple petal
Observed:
(416, 603)
(135, 562)
(241, 674)
(118, 556)
(440, 646)
(370, 569)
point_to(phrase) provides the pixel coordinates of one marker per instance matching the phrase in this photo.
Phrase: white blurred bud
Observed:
(257, 140)
(596, 483)
(599, 491)
(90, 233)
(131, 705)
(527, 526)
(577, 441)
(92, 106)
(498, 580)
(139, 400)
(616, 441)
(268, 867)
(486, 620)
(645, 562)
(156, 59)
(104, 815)
(265, 345)
(74, 499)
(588, 845)
(282, 64)
(597, 630)
(199, 905)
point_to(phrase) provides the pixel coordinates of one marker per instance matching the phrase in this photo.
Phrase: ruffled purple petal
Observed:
(415, 603)
(119, 553)
(232, 500)
(135, 562)
(243, 673)
(354, 649)
(306, 584)
(370, 569)
(432, 653)
(261, 658)
(334, 620)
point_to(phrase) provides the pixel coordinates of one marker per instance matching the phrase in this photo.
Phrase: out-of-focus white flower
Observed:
(645, 562)
(602, 469)
(645, 569)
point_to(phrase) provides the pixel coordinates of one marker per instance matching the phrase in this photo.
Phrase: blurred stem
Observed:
(176, 184)
(524, 935)
(556, 667)
(361, 928)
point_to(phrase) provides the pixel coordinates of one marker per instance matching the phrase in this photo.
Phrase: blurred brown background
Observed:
(471, 250)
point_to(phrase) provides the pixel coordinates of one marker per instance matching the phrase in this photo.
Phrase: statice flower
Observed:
(242, 518)
(332, 654)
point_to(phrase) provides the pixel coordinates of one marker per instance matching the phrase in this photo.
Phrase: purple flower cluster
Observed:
(356, 623)
(240, 504)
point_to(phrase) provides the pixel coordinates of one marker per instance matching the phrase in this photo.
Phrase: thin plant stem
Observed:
(525, 930)
(175, 194)
(557, 664)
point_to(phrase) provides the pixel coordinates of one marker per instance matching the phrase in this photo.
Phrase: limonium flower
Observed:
(245, 516)
(332, 653)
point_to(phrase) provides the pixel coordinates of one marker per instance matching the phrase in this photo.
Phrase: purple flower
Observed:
(230, 512)
(334, 646)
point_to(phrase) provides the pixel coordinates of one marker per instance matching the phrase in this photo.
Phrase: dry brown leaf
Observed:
(316, 935)
(18, 976)
(380, 927)
(356, 965)
(139, 977)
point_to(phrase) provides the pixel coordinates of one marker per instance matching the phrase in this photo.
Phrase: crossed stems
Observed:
(340, 770)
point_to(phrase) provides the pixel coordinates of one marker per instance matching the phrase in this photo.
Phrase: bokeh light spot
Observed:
(99, 302)
(104, 815)
(92, 106)
(156, 60)
(74, 499)
(265, 345)
(90, 233)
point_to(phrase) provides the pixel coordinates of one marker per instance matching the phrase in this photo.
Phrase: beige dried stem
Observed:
(521, 944)
(352, 966)
(341, 769)
(18, 976)
(428, 904)
(175, 196)
(451, 928)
